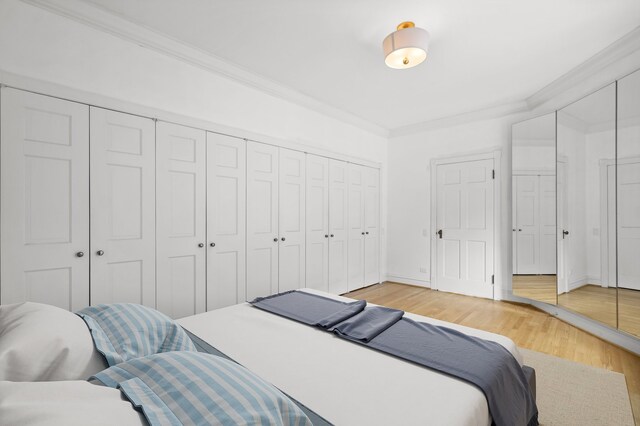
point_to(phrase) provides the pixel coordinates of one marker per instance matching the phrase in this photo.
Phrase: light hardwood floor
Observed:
(536, 287)
(525, 325)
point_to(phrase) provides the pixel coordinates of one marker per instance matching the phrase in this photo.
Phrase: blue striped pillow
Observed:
(179, 388)
(123, 331)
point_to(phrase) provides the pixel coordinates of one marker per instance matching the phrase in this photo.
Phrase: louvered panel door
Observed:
(226, 221)
(317, 218)
(338, 227)
(291, 197)
(262, 220)
(371, 226)
(123, 258)
(356, 227)
(45, 200)
(181, 219)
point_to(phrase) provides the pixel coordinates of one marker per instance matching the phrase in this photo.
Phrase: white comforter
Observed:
(343, 382)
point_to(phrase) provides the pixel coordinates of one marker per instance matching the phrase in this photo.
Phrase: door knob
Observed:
(331, 235)
(439, 233)
(282, 238)
(326, 235)
(100, 252)
(564, 233)
(200, 245)
(519, 230)
(514, 229)
(80, 254)
(275, 240)
(367, 232)
(212, 244)
(363, 233)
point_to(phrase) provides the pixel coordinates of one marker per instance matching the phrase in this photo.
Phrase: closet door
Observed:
(547, 221)
(356, 227)
(45, 200)
(226, 220)
(262, 220)
(372, 226)
(317, 237)
(180, 216)
(123, 207)
(291, 269)
(338, 229)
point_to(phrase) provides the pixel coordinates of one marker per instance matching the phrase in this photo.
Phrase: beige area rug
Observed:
(570, 394)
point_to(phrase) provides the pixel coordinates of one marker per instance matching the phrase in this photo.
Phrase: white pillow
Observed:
(67, 403)
(42, 342)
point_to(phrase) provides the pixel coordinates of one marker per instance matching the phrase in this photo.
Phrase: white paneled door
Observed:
(45, 200)
(338, 227)
(628, 220)
(123, 226)
(371, 226)
(317, 236)
(547, 225)
(291, 256)
(181, 222)
(262, 220)
(527, 224)
(226, 216)
(356, 226)
(465, 227)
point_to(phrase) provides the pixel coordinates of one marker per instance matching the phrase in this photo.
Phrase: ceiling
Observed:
(482, 53)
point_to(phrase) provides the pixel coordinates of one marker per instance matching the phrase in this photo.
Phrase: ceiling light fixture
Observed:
(406, 47)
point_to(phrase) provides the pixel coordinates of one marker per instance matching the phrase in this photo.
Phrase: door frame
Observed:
(494, 154)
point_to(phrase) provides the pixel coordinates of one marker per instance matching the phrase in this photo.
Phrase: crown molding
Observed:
(494, 111)
(105, 21)
(592, 68)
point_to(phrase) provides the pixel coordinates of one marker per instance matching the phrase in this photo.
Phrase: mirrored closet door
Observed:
(534, 209)
(628, 203)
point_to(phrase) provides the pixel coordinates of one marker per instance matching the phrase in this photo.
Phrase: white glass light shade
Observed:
(405, 48)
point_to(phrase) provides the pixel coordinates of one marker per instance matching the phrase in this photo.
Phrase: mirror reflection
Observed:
(586, 198)
(534, 208)
(628, 202)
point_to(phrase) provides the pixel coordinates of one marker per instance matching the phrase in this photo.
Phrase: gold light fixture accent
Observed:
(406, 47)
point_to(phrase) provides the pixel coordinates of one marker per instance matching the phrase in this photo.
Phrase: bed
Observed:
(343, 382)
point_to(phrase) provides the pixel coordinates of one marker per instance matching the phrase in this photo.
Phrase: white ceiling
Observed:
(482, 53)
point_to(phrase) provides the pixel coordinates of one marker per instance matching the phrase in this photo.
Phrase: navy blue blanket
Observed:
(485, 364)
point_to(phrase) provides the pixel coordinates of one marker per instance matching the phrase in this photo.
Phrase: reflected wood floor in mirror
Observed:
(527, 326)
(629, 311)
(592, 301)
(536, 287)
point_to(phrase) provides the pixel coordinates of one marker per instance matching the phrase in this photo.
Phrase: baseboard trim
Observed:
(410, 281)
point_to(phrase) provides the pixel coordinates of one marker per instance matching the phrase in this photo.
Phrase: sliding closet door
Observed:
(356, 227)
(338, 229)
(180, 215)
(226, 220)
(291, 256)
(123, 258)
(262, 220)
(526, 225)
(45, 200)
(372, 226)
(317, 268)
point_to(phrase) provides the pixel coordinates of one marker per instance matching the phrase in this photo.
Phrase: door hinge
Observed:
(493, 174)
(493, 279)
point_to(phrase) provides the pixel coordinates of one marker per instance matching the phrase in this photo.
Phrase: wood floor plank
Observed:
(527, 326)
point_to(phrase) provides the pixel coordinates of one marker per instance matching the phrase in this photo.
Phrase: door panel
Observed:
(628, 225)
(262, 220)
(338, 227)
(547, 222)
(527, 226)
(226, 225)
(291, 193)
(123, 207)
(317, 236)
(45, 200)
(464, 213)
(180, 214)
(372, 226)
(356, 227)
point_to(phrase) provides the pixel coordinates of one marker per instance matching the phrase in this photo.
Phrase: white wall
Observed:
(44, 46)
(409, 194)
